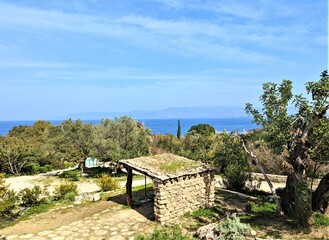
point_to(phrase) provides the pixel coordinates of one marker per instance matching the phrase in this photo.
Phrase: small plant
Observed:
(65, 188)
(107, 183)
(233, 229)
(235, 177)
(70, 175)
(8, 201)
(32, 196)
(69, 197)
(165, 233)
(32, 168)
(320, 220)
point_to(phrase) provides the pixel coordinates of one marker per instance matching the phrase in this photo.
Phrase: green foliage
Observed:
(320, 220)
(167, 143)
(235, 176)
(31, 168)
(43, 169)
(202, 129)
(49, 167)
(233, 229)
(41, 208)
(73, 175)
(70, 196)
(32, 196)
(202, 213)
(263, 208)
(107, 183)
(13, 154)
(179, 130)
(165, 233)
(63, 189)
(8, 201)
(122, 138)
(231, 160)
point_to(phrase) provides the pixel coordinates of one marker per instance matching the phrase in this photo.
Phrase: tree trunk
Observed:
(320, 197)
(296, 200)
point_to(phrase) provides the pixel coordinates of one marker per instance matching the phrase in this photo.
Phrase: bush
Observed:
(70, 197)
(65, 188)
(8, 201)
(165, 233)
(49, 167)
(32, 168)
(32, 196)
(232, 229)
(71, 175)
(236, 177)
(43, 169)
(107, 183)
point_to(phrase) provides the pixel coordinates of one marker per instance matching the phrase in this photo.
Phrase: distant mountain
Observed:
(169, 113)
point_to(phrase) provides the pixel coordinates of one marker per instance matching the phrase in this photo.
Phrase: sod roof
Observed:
(166, 166)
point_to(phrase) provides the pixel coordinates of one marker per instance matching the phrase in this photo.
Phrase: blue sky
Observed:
(61, 57)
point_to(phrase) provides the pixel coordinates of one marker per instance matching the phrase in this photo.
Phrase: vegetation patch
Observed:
(165, 233)
(233, 229)
(73, 175)
(320, 220)
(108, 183)
(264, 208)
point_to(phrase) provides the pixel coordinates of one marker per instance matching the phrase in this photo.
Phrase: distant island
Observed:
(168, 113)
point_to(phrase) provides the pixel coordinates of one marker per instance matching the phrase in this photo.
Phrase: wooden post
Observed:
(129, 186)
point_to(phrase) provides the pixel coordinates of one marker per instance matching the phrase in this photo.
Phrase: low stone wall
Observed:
(176, 196)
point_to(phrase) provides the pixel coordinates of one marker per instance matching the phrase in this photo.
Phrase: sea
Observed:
(160, 126)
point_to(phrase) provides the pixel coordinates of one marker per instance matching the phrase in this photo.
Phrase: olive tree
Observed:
(303, 134)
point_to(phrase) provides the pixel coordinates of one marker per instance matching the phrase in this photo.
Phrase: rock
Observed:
(253, 233)
(207, 232)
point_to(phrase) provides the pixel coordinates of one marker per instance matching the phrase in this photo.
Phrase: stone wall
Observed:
(176, 196)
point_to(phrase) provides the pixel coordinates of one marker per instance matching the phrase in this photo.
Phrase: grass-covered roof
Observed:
(165, 166)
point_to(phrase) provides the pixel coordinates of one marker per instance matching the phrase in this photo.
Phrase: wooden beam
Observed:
(129, 186)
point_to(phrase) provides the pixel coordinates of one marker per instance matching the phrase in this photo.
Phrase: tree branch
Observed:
(261, 169)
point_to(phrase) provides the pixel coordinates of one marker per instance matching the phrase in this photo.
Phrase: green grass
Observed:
(264, 208)
(320, 220)
(173, 167)
(202, 213)
(44, 207)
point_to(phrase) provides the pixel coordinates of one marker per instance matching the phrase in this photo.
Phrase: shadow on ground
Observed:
(143, 202)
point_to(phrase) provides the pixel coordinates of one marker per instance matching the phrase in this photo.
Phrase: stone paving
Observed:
(115, 223)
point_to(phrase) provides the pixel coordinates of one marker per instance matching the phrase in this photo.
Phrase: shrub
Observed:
(8, 201)
(31, 196)
(232, 229)
(236, 177)
(63, 189)
(70, 197)
(71, 175)
(32, 168)
(165, 233)
(107, 183)
(43, 169)
(49, 167)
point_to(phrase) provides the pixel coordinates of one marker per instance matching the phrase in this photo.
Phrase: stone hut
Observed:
(179, 184)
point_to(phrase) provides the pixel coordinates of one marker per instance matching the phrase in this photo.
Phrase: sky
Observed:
(63, 57)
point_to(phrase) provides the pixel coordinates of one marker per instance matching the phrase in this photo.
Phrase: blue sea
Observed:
(159, 126)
